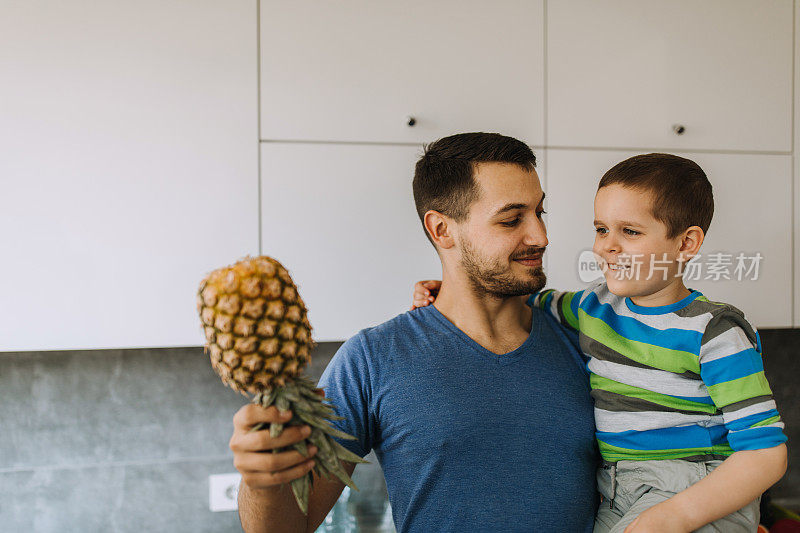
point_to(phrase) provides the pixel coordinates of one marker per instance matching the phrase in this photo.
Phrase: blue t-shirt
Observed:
(470, 440)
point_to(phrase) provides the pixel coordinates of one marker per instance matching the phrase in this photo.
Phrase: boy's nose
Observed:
(608, 246)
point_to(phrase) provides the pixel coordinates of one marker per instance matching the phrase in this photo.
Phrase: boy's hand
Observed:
(658, 519)
(425, 293)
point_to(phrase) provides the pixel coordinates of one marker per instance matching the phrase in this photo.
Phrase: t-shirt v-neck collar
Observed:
(503, 359)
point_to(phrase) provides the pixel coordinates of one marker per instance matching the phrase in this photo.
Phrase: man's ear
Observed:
(440, 227)
(691, 240)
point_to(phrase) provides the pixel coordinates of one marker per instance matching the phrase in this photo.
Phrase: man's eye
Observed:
(540, 213)
(510, 223)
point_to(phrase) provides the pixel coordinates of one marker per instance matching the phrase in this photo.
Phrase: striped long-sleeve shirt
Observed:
(681, 381)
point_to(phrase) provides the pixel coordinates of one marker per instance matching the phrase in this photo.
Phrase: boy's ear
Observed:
(439, 227)
(691, 240)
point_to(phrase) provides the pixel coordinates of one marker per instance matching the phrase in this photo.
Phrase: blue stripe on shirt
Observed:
(747, 421)
(548, 300)
(756, 438)
(707, 400)
(575, 303)
(735, 366)
(673, 438)
(630, 328)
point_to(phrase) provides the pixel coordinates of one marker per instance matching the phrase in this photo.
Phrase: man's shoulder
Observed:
(565, 342)
(402, 329)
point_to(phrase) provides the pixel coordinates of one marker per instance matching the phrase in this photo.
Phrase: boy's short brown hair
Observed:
(681, 192)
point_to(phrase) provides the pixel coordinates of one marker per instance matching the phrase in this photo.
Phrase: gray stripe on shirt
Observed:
(602, 352)
(746, 403)
(611, 401)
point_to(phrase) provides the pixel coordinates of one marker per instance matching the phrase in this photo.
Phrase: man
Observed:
(478, 406)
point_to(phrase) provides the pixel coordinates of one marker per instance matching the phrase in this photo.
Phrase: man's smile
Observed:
(532, 260)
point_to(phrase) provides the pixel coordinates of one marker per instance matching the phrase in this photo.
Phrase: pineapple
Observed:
(259, 339)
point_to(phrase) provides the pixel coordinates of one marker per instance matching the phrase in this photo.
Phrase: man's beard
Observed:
(490, 277)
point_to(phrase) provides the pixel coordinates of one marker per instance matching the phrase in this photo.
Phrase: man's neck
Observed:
(498, 324)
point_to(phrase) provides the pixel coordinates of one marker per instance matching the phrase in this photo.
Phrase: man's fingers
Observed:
(268, 479)
(260, 463)
(257, 441)
(251, 415)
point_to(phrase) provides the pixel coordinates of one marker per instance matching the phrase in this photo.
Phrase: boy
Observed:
(686, 423)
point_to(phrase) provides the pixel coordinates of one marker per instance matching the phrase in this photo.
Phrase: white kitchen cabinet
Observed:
(752, 213)
(128, 167)
(796, 166)
(342, 219)
(355, 71)
(622, 73)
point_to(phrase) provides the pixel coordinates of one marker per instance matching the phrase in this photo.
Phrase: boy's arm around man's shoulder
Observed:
(561, 305)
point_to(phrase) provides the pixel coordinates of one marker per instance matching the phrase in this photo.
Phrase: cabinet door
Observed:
(354, 71)
(342, 219)
(621, 73)
(752, 214)
(128, 167)
(796, 165)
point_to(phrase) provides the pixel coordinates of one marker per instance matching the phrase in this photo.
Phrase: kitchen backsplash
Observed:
(124, 440)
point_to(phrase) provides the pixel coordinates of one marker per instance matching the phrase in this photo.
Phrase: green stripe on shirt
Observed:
(729, 392)
(614, 453)
(653, 356)
(599, 382)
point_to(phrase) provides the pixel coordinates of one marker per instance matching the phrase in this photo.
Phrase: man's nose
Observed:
(536, 234)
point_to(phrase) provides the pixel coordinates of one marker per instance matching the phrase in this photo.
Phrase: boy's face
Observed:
(638, 257)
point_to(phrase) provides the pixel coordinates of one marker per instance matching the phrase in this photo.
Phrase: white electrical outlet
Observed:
(223, 489)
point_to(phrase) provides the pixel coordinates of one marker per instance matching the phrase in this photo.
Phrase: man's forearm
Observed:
(270, 510)
(739, 480)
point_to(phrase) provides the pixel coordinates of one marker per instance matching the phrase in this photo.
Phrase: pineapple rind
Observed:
(255, 324)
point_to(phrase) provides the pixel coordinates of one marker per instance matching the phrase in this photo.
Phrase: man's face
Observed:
(503, 239)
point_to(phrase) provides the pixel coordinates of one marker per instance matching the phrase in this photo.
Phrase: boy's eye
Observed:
(510, 223)
(601, 231)
(631, 231)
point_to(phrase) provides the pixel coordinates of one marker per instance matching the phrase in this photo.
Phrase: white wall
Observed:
(128, 166)
(135, 157)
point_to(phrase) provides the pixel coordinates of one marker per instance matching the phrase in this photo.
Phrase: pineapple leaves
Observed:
(308, 407)
(302, 448)
(282, 403)
(347, 455)
(275, 430)
(300, 488)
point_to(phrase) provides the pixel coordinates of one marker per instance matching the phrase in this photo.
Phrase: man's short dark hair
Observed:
(444, 177)
(681, 193)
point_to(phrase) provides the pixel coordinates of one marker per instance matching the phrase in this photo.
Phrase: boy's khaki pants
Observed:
(635, 486)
